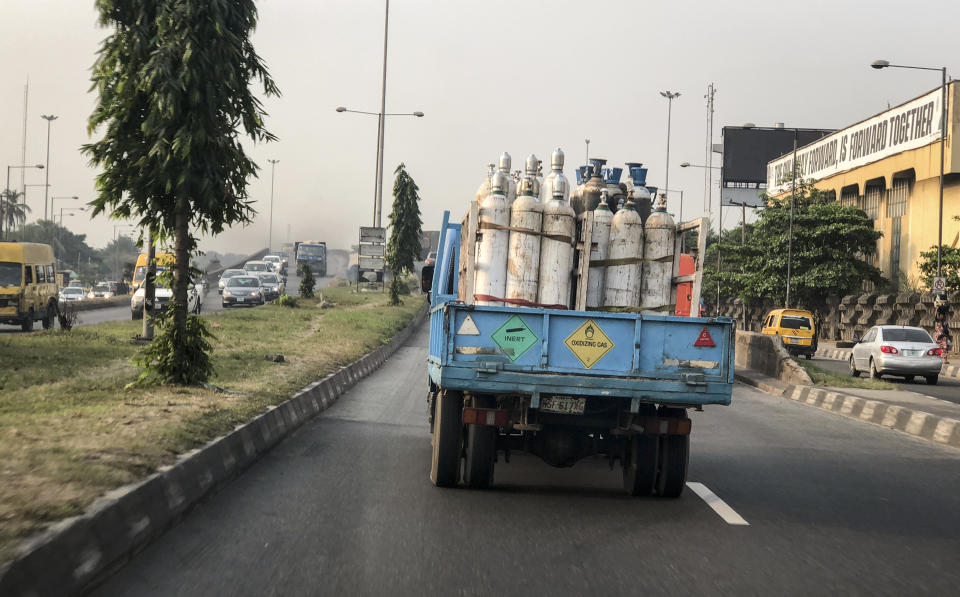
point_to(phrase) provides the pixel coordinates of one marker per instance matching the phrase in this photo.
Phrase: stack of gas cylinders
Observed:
(527, 234)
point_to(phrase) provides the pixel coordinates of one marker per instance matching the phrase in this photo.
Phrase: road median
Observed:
(885, 408)
(76, 443)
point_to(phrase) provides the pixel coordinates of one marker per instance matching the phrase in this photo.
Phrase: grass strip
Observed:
(70, 431)
(822, 377)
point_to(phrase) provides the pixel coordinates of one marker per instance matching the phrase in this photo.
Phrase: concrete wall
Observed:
(766, 354)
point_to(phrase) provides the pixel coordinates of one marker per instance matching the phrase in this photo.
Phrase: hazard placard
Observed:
(705, 340)
(588, 343)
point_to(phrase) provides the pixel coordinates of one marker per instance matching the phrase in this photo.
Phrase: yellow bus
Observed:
(28, 285)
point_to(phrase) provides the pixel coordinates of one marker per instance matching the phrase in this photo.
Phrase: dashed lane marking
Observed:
(728, 514)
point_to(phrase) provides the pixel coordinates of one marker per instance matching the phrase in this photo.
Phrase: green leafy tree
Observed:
(174, 80)
(830, 241)
(307, 282)
(13, 212)
(406, 228)
(950, 261)
(71, 250)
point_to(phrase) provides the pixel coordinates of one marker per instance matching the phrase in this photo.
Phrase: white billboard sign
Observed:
(908, 126)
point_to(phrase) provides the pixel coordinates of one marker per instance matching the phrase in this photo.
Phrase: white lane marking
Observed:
(728, 514)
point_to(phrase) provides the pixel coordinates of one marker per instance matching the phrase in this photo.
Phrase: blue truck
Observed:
(312, 253)
(565, 384)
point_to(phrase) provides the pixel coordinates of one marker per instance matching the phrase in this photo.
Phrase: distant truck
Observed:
(314, 254)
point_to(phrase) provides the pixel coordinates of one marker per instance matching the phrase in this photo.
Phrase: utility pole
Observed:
(711, 90)
(793, 199)
(273, 168)
(383, 118)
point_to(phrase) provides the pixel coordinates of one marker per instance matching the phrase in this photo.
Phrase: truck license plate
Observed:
(564, 405)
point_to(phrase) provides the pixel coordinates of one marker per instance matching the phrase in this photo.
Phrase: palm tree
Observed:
(12, 212)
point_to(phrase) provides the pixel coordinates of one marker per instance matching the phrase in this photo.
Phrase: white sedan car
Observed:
(162, 297)
(896, 350)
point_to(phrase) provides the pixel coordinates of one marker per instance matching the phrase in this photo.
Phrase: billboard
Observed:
(908, 126)
(746, 153)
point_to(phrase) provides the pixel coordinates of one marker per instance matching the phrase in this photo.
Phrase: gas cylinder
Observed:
(589, 196)
(622, 282)
(556, 248)
(510, 187)
(614, 191)
(637, 189)
(659, 235)
(484, 188)
(532, 171)
(523, 257)
(491, 264)
(556, 172)
(600, 239)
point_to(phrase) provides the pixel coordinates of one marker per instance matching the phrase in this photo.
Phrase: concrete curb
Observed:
(933, 428)
(841, 354)
(75, 554)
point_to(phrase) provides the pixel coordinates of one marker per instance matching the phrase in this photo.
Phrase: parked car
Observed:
(896, 350)
(795, 327)
(226, 275)
(272, 284)
(242, 290)
(71, 294)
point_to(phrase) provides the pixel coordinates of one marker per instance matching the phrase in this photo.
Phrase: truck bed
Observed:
(683, 361)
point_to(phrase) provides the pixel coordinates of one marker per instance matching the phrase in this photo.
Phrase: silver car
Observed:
(896, 350)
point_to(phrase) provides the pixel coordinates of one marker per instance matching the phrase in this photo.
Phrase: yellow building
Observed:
(889, 166)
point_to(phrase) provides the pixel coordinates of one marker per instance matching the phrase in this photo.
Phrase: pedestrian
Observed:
(942, 328)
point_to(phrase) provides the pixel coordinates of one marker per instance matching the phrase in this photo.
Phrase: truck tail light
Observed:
(485, 416)
(889, 349)
(934, 352)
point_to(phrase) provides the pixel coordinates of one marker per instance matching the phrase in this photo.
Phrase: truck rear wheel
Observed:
(481, 451)
(640, 465)
(447, 439)
(674, 457)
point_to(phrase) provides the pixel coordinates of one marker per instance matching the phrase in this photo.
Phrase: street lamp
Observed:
(63, 209)
(273, 168)
(669, 95)
(52, 201)
(378, 180)
(49, 118)
(6, 189)
(880, 64)
(587, 142)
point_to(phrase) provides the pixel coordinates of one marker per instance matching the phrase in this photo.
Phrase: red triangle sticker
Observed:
(705, 340)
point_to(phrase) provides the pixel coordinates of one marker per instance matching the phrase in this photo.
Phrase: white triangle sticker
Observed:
(468, 328)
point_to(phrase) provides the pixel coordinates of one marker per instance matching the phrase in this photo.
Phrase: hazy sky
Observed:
(491, 76)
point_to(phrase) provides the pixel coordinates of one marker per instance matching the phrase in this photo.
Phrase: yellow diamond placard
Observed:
(588, 343)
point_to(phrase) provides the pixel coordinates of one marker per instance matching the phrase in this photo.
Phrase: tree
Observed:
(830, 241)
(950, 260)
(174, 83)
(12, 212)
(403, 247)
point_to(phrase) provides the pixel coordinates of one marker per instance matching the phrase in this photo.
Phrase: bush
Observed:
(285, 300)
(175, 359)
(307, 282)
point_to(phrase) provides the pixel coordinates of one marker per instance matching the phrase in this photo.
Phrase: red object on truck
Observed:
(686, 268)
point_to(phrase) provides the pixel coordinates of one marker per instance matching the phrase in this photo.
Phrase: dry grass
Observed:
(69, 431)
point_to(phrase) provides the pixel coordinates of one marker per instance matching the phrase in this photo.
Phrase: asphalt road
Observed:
(947, 388)
(344, 507)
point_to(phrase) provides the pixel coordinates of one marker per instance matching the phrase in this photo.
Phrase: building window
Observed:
(871, 201)
(895, 251)
(849, 197)
(897, 200)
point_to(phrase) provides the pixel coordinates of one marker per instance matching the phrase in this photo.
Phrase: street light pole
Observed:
(377, 186)
(669, 95)
(793, 200)
(587, 142)
(879, 64)
(273, 168)
(383, 111)
(49, 118)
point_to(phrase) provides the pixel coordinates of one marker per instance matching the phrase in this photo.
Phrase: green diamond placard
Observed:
(514, 338)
